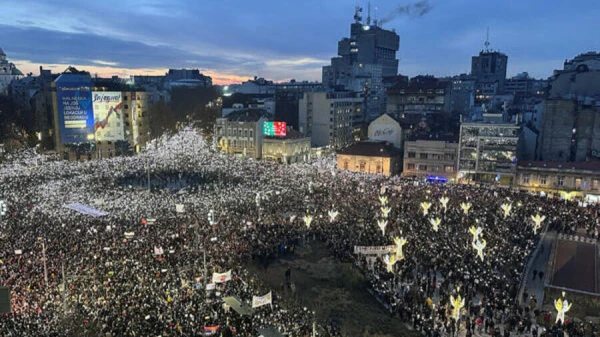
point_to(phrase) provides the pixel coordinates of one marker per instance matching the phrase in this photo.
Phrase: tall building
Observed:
(489, 70)
(287, 97)
(8, 72)
(368, 55)
(328, 118)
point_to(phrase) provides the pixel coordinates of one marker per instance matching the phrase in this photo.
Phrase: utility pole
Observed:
(45, 264)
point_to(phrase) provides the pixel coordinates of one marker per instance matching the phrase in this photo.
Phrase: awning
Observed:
(236, 304)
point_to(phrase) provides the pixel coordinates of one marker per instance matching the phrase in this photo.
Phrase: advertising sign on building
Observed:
(274, 128)
(108, 116)
(75, 114)
(383, 132)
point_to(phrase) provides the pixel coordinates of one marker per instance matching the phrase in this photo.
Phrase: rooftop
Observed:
(371, 149)
(246, 115)
(593, 165)
(290, 134)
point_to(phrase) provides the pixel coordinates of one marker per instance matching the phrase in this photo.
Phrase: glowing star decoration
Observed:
(308, 220)
(385, 211)
(506, 208)
(479, 246)
(561, 307)
(425, 206)
(400, 242)
(476, 232)
(382, 224)
(537, 220)
(465, 207)
(444, 201)
(383, 200)
(389, 261)
(435, 223)
(332, 215)
(457, 304)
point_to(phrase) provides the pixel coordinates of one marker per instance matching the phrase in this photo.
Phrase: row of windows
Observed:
(432, 156)
(431, 168)
(237, 132)
(559, 181)
(240, 143)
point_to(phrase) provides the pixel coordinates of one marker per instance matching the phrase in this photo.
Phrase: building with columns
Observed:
(8, 72)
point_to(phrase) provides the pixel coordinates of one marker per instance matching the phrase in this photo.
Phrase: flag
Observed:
(221, 278)
(259, 301)
(144, 222)
(211, 330)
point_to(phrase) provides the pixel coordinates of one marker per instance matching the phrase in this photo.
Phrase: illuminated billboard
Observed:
(75, 113)
(108, 115)
(274, 128)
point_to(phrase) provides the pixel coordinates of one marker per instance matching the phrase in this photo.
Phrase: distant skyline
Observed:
(234, 40)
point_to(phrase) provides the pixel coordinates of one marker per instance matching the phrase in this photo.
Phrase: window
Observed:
(560, 180)
(449, 156)
(362, 166)
(525, 179)
(124, 98)
(423, 155)
(250, 133)
(578, 183)
(126, 106)
(595, 184)
(449, 169)
(345, 165)
(422, 168)
(411, 166)
(411, 155)
(543, 180)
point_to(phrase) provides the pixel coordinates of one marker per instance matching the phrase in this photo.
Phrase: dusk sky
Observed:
(233, 40)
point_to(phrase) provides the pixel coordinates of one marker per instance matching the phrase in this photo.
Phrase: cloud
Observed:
(105, 63)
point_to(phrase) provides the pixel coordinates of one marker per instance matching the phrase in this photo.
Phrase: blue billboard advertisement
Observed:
(75, 111)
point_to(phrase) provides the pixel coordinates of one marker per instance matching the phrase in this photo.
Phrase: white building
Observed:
(386, 128)
(240, 133)
(8, 72)
(328, 117)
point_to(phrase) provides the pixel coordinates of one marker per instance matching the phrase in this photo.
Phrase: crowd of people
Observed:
(75, 274)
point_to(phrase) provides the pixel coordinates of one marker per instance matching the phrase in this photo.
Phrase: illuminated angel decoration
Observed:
(537, 220)
(465, 207)
(308, 220)
(382, 224)
(444, 201)
(476, 232)
(389, 261)
(400, 242)
(211, 217)
(385, 211)
(425, 206)
(506, 208)
(435, 223)
(383, 200)
(479, 246)
(457, 304)
(332, 215)
(561, 307)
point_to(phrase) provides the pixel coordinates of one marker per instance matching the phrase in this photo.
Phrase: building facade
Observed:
(423, 94)
(488, 152)
(562, 179)
(489, 70)
(294, 147)
(370, 157)
(570, 130)
(240, 133)
(8, 72)
(328, 118)
(385, 128)
(287, 98)
(430, 158)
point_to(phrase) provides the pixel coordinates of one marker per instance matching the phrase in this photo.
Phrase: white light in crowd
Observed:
(465, 207)
(479, 245)
(382, 224)
(537, 220)
(444, 201)
(332, 215)
(506, 208)
(457, 304)
(425, 206)
(561, 307)
(400, 242)
(476, 232)
(435, 223)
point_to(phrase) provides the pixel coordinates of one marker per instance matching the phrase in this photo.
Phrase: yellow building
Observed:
(562, 179)
(294, 147)
(370, 157)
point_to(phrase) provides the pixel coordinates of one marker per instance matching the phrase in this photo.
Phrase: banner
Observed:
(83, 209)
(75, 112)
(108, 116)
(210, 286)
(221, 278)
(158, 251)
(259, 301)
(211, 330)
(179, 208)
(374, 250)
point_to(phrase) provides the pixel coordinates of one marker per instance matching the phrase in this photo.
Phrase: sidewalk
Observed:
(535, 286)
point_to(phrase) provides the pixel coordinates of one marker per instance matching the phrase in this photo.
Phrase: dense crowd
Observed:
(101, 282)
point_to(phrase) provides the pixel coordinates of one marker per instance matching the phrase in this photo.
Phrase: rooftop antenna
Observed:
(487, 40)
(357, 11)
(375, 21)
(369, 15)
